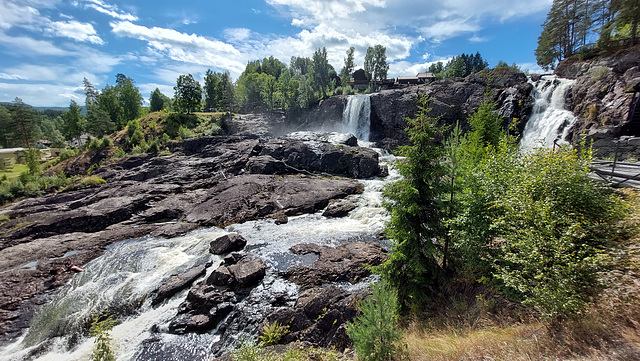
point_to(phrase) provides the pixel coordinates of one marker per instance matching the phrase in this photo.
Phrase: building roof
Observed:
(11, 150)
(425, 75)
(408, 78)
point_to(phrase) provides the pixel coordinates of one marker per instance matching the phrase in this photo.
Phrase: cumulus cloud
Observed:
(111, 10)
(188, 48)
(17, 14)
(75, 30)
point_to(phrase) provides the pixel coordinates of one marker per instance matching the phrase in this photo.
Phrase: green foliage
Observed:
(375, 332)
(157, 101)
(32, 158)
(375, 63)
(136, 138)
(132, 127)
(188, 94)
(273, 333)
(28, 185)
(102, 346)
(185, 132)
(119, 153)
(534, 226)
(249, 350)
(68, 154)
(22, 129)
(415, 207)
(349, 65)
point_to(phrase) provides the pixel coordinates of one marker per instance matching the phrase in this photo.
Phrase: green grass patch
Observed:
(14, 172)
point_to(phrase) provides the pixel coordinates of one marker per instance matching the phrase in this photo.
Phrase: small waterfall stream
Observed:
(550, 122)
(356, 117)
(122, 279)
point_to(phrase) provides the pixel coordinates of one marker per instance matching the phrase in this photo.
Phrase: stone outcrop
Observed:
(210, 301)
(345, 263)
(204, 182)
(177, 283)
(227, 243)
(598, 97)
(451, 100)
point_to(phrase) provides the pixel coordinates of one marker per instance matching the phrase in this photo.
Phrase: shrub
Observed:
(102, 348)
(32, 157)
(249, 350)
(271, 334)
(375, 332)
(132, 127)
(537, 225)
(119, 153)
(106, 142)
(185, 132)
(136, 138)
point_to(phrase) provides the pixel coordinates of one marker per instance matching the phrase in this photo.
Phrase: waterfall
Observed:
(356, 117)
(550, 122)
(122, 279)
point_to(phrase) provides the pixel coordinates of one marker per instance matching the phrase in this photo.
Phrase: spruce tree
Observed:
(415, 205)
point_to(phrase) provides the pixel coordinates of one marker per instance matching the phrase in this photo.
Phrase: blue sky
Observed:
(48, 46)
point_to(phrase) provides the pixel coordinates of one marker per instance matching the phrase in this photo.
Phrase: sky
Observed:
(47, 47)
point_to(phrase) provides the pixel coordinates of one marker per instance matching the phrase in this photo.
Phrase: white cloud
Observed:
(11, 76)
(478, 39)
(30, 46)
(188, 48)
(447, 29)
(237, 35)
(17, 14)
(75, 30)
(111, 10)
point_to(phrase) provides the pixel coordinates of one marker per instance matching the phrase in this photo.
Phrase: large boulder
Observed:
(228, 243)
(177, 283)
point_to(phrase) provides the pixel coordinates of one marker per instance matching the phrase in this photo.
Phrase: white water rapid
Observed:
(550, 122)
(356, 117)
(127, 273)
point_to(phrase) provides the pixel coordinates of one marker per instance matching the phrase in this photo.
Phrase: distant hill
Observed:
(82, 108)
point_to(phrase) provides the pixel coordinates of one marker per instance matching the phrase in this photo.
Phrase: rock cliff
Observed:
(451, 100)
(599, 98)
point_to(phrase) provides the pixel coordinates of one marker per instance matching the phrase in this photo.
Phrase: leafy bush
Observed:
(102, 347)
(68, 154)
(538, 223)
(132, 127)
(185, 132)
(176, 120)
(32, 158)
(136, 138)
(119, 153)
(375, 332)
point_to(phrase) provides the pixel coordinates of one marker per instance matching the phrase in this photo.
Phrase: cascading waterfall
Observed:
(356, 117)
(123, 278)
(550, 122)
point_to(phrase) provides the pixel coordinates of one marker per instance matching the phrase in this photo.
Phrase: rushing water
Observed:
(550, 122)
(122, 279)
(356, 116)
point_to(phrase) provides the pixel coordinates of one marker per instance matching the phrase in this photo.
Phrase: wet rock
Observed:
(319, 317)
(221, 277)
(339, 208)
(248, 271)
(345, 263)
(177, 283)
(227, 243)
(281, 218)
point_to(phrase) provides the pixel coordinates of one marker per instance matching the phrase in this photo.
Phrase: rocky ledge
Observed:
(209, 181)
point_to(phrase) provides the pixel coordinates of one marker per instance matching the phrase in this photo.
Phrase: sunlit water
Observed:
(124, 277)
(550, 121)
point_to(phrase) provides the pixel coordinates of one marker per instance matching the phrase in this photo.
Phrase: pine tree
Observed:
(23, 126)
(415, 204)
(188, 94)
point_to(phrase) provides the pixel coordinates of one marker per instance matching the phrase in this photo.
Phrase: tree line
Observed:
(571, 25)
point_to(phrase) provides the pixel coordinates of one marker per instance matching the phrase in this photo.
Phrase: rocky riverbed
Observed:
(209, 181)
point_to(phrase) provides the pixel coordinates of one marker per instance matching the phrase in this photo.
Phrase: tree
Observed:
(98, 122)
(227, 98)
(23, 124)
(212, 90)
(129, 97)
(157, 101)
(375, 63)
(628, 13)
(299, 65)
(415, 205)
(5, 127)
(564, 31)
(90, 92)
(321, 69)
(348, 67)
(51, 132)
(188, 94)
(108, 101)
(74, 122)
